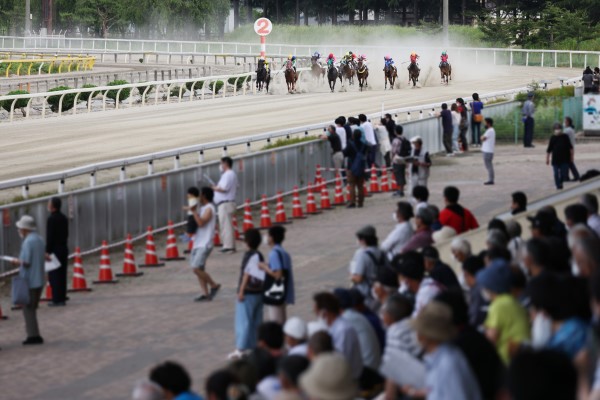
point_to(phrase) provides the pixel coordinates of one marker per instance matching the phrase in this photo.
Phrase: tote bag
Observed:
(20, 291)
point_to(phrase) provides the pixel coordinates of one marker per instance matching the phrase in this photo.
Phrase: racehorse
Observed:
(291, 76)
(390, 74)
(362, 73)
(316, 70)
(446, 72)
(332, 76)
(413, 73)
(263, 77)
(346, 71)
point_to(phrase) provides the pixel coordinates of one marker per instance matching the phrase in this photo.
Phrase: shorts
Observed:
(199, 256)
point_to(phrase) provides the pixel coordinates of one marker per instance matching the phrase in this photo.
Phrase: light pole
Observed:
(445, 20)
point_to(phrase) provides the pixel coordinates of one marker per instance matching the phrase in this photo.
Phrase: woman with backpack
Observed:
(401, 148)
(356, 152)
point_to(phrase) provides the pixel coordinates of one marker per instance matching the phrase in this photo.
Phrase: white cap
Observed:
(295, 327)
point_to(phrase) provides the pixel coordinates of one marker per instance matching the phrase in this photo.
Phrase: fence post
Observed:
(93, 179)
(61, 186)
(122, 174)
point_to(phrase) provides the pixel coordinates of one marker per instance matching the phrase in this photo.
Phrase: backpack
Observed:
(359, 164)
(380, 263)
(275, 290)
(405, 147)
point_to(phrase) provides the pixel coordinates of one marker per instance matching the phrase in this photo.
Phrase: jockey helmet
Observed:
(290, 57)
(413, 54)
(317, 54)
(262, 58)
(443, 53)
(293, 58)
(351, 53)
(387, 57)
(330, 55)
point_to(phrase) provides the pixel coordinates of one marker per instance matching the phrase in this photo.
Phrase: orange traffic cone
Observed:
(236, 230)
(366, 190)
(296, 205)
(79, 283)
(385, 187)
(151, 258)
(280, 216)
(393, 181)
(311, 206)
(325, 201)
(190, 246)
(338, 199)
(48, 294)
(374, 183)
(217, 238)
(265, 217)
(248, 223)
(105, 274)
(129, 266)
(2, 316)
(318, 178)
(172, 250)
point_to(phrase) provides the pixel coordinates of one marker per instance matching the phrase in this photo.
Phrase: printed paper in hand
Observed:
(209, 180)
(8, 258)
(52, 264)
(253, 270)
(412, 372)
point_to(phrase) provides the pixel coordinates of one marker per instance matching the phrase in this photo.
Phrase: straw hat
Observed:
(27, 223)
(329, 378)
(434, 321)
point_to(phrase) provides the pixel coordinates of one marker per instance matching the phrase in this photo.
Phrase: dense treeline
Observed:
(528, 23)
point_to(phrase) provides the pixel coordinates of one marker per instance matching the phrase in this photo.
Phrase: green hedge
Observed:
(86, 96)
(142, 89)
(68, 99)
(21, 103)
(198, 85)
(112, 94)
(240, 81)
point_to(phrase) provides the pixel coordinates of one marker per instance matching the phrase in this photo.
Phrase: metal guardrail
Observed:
(499, 56)
(85, 62)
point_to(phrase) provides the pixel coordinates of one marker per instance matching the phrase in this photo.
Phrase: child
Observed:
(193, 198)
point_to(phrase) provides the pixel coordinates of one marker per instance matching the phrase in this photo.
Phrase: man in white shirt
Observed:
(488, 143)
(225, 192)
(402, 233)
(341, 131)
(370, 138)
(205, 216)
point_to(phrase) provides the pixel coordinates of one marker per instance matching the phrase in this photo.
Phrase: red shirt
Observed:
(459, 223)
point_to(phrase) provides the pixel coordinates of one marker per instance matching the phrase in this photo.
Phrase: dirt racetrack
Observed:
(40, 146)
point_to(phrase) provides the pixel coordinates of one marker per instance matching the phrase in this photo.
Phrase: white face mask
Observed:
(265, 240)
(221, 169)
(486, 295)
(574, 268)
(321, 320)
(541, 330)
(394, 217)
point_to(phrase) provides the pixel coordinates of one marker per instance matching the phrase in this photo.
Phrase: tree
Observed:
(101, 14)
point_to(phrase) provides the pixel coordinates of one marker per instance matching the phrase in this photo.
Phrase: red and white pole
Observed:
(263, 46)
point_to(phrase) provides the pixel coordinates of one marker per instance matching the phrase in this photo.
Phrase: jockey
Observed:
(414, 57)
(330, 59)
(316, 57)
(267, 67)
(389, 62)
(443, 58)
(293, 60)
(261, 61)
(349, 58)
(363, 58)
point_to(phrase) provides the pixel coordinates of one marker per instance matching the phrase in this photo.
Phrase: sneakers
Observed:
(202, 298)
(235, 355)
(227, 251)
(214, 291)
(488, 183)
(33, 340)
(450, 155)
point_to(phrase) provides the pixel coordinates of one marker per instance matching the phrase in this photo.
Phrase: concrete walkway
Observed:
(103, 341)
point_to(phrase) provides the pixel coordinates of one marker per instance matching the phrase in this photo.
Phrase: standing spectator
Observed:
(487, 148)
(449, 375)
(455, 127)
(206, 220)
(249, 307)
(343, 335)
(336, 147)
(174, 380)
(476, 119)
(383, 138)
(455, 215)
(528, 112)
(397, 239)
(401, 148)
(390, 125)
(278, 268)
(507, 323)
(446, 117)
(590, 201)
(419, 171)
(421, 196)
(31, 267)
(366, 261)
(423, 233)
(588, 80)
(570, 132)
(341, 131)
(356, 153)
(225, 194)
(370, 138)
(296, 333)
(596, 80)
(561, 151)
(411, 272)
(57, 234)
(463, 126)
(519, 203)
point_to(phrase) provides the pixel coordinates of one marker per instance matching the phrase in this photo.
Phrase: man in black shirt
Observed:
(336, 147)
(447, 129)
(57, 234)
(561, 150)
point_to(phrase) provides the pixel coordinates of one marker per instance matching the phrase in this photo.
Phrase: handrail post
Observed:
(93, 179)
(61, 186)
(122, 174)
(25, 191)
(201, 156)
(176, 163)
(150, 167)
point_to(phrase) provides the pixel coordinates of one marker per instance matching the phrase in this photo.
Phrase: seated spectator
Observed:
(385, 286)
(519, 203)
(358, 304)
(329, 377)
(289, 371)
(536, 256)
(319, 343)
(411, 272)
(545, 225)
(477, 304)
(590, 201)
(435, 212)
(265, 367)
(498, 224)
(296, 332)
(479, 352)
(507, 322)
(423, 234)
(219, 383)
(402, 232)
(518, 285)
(586, 256)
(437, 270)
(542, 375)
(449, 375)
(445, 233)
(461, 249)
(496, 239)
(496, 252)
(147, 390)
(516, 243)
(174, 380)
(369, 344)
(421, 196)
(575, 214)
(400, 335)
(344, 337)
(271, 338)
(455, 215)
(559, 229)
(366, 261)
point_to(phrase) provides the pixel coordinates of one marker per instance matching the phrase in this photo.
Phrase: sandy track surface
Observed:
(41, 146)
